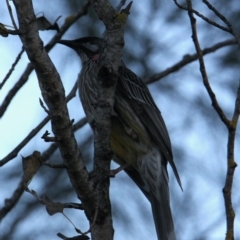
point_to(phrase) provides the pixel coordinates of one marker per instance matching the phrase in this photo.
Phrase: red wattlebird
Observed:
(139, 137)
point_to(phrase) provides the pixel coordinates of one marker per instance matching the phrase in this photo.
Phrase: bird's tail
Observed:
(162, 214)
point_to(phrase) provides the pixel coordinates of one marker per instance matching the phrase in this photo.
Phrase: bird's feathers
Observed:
(143, 104)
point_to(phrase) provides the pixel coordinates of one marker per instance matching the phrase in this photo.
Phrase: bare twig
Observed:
(202, 16)
(12, 68)
(48, 153)
(11, 202)
(224, 19)
(5, 31)
(73, 205)
(73, 91)
(210, 21)
(202, 67)
(94, 219)
(62, 236)
(227, 190)
(23, 143)
(79, 237)
(188, 59)
(11, 15)
(79, 124)
(33, 133)
(42, 105)
(54, 165)
(179, 5)
(46, 137)
(231, 125)
(229, 29)
(53, 207)
(236, 109)
(23, 79)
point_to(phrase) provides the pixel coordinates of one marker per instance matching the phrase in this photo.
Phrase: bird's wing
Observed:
(144, 106)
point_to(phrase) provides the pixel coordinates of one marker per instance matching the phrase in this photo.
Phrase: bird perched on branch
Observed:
(139, 137)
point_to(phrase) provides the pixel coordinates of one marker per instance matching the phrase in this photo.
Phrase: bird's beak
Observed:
(78, 46)
(69, 43)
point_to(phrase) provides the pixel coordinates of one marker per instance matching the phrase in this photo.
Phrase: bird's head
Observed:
(87, 48)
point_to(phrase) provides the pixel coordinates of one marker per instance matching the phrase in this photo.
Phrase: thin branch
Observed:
(79, 124)
(210, 21)
(227, 190)
(224, 19)
(12, 68)
(5, 31)
(12, 201)
(53, 147)
(23, 79)
(11, 15)
(48, 153)
(204, 18)
(73, 205)
(232, 130)
(24, 142)
(46, 137)
(54, 165)
(230, 215)
(237, 108)
(202, 67)
(33, 133)
(229, 29)
(188, 58)
(18, 85)
(73, 91)
(179, 5)
(43, 106)
(52, 207)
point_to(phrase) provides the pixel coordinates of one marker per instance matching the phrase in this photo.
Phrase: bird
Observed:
(139, 138)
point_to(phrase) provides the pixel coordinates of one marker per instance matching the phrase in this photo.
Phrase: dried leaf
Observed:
(31, 164)
(3, 30)
(44, 24)
(53, 207)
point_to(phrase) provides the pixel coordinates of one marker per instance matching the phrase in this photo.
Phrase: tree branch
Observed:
(12, 68)
(54, 96)
(202, 67)
(231, 165)
(224, 19)
(109, 64)
(11, 15)
(11, 202)
(231, 125)
(34, 131)
(188, 59)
